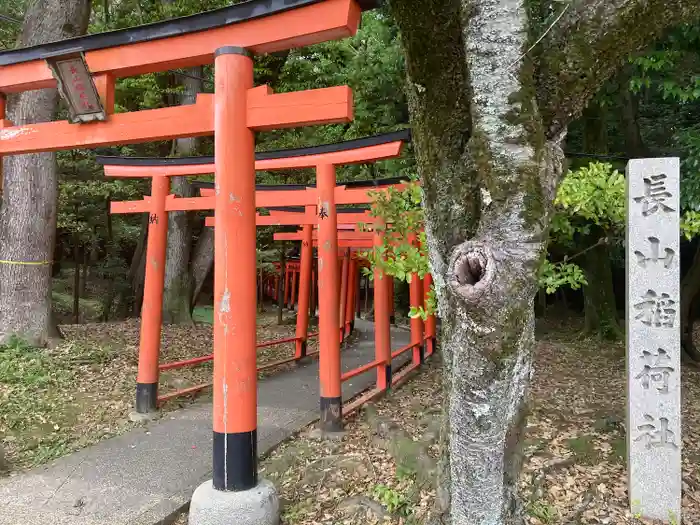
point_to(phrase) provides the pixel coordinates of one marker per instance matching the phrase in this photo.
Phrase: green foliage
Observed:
(543, 511)
(690, 224)
(590, 200)
(670, 67)
(555, 275)
(9, 30)
(394, 501)
(401, 220)
(594, 194)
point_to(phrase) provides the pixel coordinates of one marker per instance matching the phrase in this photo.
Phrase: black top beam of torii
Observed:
(346, 145)
(168, 28)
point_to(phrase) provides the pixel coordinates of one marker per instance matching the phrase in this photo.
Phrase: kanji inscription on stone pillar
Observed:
(653, 338)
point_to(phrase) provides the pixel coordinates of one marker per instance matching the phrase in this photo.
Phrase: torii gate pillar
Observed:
(235, 489)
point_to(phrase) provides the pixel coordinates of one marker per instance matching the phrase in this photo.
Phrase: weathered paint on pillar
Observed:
(431, 321)
(235, 374)
(306, 257)
(382, 324)
(345, 269)
(328, 295)
(152, 306)
(653, 339)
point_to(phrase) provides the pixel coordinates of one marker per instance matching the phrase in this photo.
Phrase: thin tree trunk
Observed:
(76, 281)
(690, 289)
(84, 278)
(108, 298)
(599, 297)
(202, 262)
(177, 296)
(28, 213)
(600, 306)
(634, 143)
(137, 270)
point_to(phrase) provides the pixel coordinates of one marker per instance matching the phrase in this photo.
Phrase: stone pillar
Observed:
(653, 339)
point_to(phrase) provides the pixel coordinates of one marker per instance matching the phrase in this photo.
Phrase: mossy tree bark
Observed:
(491, 92)
(30, 189)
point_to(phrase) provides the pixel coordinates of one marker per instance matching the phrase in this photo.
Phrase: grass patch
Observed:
(203, 314)
(40, 398)
(619, 450)
(33, 401)
(543, 511)
(583, 449)
(90, 309)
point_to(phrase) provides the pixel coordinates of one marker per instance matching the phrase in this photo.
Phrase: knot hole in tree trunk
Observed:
(471, 270)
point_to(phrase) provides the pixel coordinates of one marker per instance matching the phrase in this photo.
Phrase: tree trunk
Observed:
(84, 278)
(634, 143)
(489, 178)
(137, 270)
(177, 296)
(28, 214)
(178, 286)
(76, 281)
(108, 297)
(598, 295)
(202, 262)
(690, 288)
(492, 87)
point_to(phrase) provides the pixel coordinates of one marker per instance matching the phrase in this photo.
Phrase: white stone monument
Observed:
(653, 339)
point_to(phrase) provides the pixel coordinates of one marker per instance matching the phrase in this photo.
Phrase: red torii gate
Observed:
(368, 149)
(418, 288)
(234, 112)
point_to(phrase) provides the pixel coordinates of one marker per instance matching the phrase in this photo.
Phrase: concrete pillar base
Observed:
(257, 506)
(143, 417)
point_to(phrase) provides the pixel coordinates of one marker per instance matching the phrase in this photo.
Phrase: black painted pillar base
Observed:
(388, 376)
(235, 461)
(392, 319)
(331, 414)
(421, 353)
(146, 398)
(303, 350)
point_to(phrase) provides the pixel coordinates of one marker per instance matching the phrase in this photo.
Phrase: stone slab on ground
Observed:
(144, 476)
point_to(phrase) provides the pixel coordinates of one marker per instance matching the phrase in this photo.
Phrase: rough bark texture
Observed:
(629, 116)
(177, 294)
(28, 213)
(488, 112)
(202, 262)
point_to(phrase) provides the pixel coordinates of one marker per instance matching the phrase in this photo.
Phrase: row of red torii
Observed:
(312, 208)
